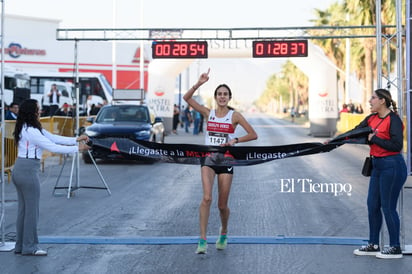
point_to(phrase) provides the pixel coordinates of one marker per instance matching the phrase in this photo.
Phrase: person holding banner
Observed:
(221, 125)
(388, 174)
(31, 140)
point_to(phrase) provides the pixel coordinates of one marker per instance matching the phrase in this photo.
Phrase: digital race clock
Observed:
(280, 48)
(187, 49)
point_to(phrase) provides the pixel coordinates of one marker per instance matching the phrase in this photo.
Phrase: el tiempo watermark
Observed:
(305, 185)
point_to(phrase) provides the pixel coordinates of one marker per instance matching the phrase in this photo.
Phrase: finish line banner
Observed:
(222, 156)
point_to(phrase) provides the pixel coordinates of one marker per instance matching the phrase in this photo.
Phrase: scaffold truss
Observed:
(150, 34)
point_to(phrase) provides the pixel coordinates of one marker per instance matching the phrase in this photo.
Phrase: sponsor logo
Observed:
(114, 147)
(15, 50)
(136, 57)
(159, 93)
(220, 127)
(228, 155)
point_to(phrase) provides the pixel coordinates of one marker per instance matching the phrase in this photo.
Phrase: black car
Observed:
(136, 122)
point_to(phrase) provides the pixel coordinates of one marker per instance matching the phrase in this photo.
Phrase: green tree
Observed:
(363, 61)
(363, 13)
(285, 89)
(275, 93)
(335, 15)
(357, 13)
(297, 82)
(335, 48)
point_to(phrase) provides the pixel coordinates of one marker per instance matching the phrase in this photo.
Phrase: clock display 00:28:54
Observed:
(177, 49)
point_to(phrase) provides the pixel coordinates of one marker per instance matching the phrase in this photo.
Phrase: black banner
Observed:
(223, 156)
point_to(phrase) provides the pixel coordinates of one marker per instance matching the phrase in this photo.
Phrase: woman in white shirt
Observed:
(221, 125)
(31, 140)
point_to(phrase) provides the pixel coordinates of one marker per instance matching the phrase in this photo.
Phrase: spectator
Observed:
(65, 111)
(95, 109)
(196, 121)
(344, 109)
(13, 111)
(54, 99)
(359, 109)
(202, 119)
(351, 107)
(187, 118)
(292, 113)
(176, 114)
(182, 117)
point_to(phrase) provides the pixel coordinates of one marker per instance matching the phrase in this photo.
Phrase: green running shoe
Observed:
(221, 242)
(201, 246)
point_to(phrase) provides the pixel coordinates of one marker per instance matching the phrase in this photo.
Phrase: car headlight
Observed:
(143, 133)
(91, 133)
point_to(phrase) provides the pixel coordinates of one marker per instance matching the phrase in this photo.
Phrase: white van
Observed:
(16, 86)
(93, 87)
(65, 89)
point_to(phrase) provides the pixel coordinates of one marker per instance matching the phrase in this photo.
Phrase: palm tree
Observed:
(364, 13)
(363, 62)
(335, 15)
(297, 82)
(275, 93)
(360, 13)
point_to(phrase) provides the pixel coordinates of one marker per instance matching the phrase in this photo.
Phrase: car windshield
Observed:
(123, 114)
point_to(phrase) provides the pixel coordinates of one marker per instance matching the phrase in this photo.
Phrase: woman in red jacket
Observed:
(388, 174)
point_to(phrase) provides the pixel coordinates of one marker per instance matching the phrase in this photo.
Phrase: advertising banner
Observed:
(223, 155)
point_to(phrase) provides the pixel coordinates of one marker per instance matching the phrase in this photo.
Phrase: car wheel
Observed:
(86, 158)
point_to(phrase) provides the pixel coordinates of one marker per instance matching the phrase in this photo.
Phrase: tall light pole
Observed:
(347, 96)
(114, 66)
(141, 49)
(3, 245)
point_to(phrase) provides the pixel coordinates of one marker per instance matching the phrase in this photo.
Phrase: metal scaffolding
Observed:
(150, 34)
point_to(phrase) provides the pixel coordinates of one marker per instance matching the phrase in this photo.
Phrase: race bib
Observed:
(217, 138)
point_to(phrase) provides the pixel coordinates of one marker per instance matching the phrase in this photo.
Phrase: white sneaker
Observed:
(37, 252)
(367, 250)
(393, 252)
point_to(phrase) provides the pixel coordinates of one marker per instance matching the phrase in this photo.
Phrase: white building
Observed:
(30, 44)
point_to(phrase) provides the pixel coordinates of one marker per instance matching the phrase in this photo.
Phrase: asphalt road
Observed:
(280, 221)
